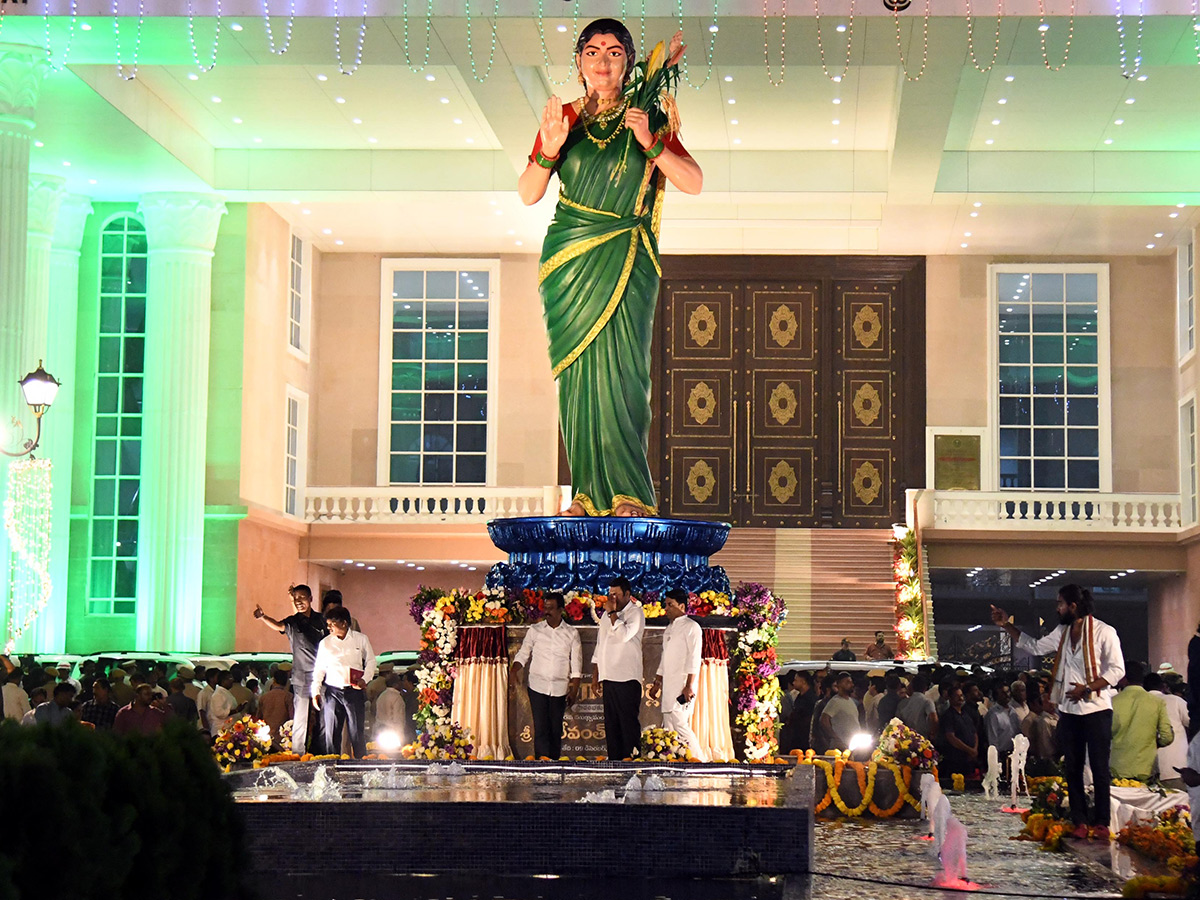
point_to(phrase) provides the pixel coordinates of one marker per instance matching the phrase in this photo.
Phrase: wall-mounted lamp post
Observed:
(39, 388)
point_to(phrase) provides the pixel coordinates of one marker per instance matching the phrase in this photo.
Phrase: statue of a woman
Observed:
(599, 268)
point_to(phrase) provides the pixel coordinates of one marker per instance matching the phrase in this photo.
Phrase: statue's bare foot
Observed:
(628, 509)
(575, 509)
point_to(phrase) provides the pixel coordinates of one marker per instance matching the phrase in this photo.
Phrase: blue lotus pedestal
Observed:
(565, 553)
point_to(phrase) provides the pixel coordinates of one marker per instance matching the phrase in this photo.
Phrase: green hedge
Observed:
(92, 815)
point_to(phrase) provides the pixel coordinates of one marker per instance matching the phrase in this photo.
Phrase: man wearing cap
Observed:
(191, 690)
(845, 654)
(122, 692)
(63, 673)
(305, 629)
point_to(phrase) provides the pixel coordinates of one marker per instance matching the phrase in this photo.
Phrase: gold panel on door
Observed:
(868, 408)
(701, 482)
(701, 324)
(866, 325)
(867, 486)
(784, 403)
(782, 485)
(783, 321)
(700, 404)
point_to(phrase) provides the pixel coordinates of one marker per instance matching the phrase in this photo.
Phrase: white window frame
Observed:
(1103, 359)
(1189, 460)
(1185, 288)
(305, 322)
(387, 268)
(301, 399)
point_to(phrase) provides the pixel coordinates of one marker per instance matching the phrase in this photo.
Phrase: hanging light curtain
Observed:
(710, 717)
(481, 688)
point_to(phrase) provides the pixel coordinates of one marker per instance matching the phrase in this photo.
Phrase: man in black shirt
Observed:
(304, 629)
(960, 749)
(845, 654)
(100, 711)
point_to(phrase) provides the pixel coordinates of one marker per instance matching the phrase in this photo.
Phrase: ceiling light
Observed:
(729, 78)
(356, 121)
(733, 121)
(1149, 246)
(562, 29)
(1119, 122)
(443, 99)
(498, 212)
(989, 142)
(66, 163)
(1158, 234)
(339, 99)
(361, 565)
(84, 26)
(841, 29)
(458, 121)
(1129, 101)
(1180, 205)
(1108, 140)
(995, 121)
(837, 121)
(420, 568)
(430, 77)
(372, 140)
(348, 562)
(192, 76)
(837, 100)
(968, 234)
(974, 215)
(835, 140)
(837, 79)
(1002, 100)
(339, 242)
(1043, 27)
(713, 28)
(216, 99)
(258, 140)
(237, 120)
(1008, 77)
(370, 568)
(470, 568)
(732, 101)
(91, 181)
(322, 77)
(409, 565)
(326, 231)
(519, 243)
(462, 565)
(977, 204)
(1173, 216)
(235, 26)
(964, 246)
(307, 212)
(1143, 77)
(1130, 571)
(1113, 577)
(399, 562)
(739, 140)
(38, 144)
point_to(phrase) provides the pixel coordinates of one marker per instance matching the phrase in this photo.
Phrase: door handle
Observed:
(733, 457)
(749, 461)
(838, 461)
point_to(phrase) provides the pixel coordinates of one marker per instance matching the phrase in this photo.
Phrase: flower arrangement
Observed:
(1045, 828)
(1049, 797)
(446, 741)
(662, 745)
(243, 740)
(866, 775)
(905, 747)
(709, 603)
(756, 693)
(1167, 837)
(910, 599)
(284, 742)
(1141, 886)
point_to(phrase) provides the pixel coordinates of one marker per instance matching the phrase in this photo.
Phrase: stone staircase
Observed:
(837, 583)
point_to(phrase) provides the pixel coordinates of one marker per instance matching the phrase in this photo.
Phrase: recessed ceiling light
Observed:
(1158, 234)
(995, 121)
(1143, 77)
(964, 246)
(66, 163)
(1008, 77)
(430, 77)
(410, 565)
(443, 99)
(834, 141)
(458, 121)
(562, 29)
(739, 140)
(732, 101)
(1173, 216)
(1119, 122)
(370, 568)
(356, 121)
(258, 140)
(38, 144)
(713, 28)
(1180, 205)
(729, 78)
(1043, 27)
(837, 79)
(192, 76)
(399, 562)
(372, 140)
(1129, 101)
(470, 568)
(470, 140)
(215, 99)
(326, 231)
(511, 232)
(322, 77)
(977, 204)
(84, 26)
(498, 212)
(420, 568)
(841, 29)
(1008, 309)
(1108, 140)
(1149, 246)
(989, 142)
(307, 212)
(1061, 572)
(733, 121)
(519, 243)
(339, 242)
(1002, 100)
(339, 99)
(837, 101)
(361, 565)
(1113, 577)
(237, 120)
(91, 181)
(235, 26)
(968, 234)
(348, 562)
(974, 215)
(1130, 571)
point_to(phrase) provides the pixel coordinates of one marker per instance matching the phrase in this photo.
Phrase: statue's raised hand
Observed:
(554, 128)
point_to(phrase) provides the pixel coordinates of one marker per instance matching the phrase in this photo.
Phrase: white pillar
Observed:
(22, 68)
(181, 230)
(58, 432)
(45, 194)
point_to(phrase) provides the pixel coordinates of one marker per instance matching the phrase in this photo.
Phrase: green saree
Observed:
(599, 281)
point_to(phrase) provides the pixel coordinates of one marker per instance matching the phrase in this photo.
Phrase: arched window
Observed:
(117, 459)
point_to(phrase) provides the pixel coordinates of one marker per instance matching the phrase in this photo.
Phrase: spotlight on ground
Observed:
(861, 745)
(388, 741)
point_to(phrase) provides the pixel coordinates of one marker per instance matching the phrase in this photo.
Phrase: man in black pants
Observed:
(554, 655)
(345, 663)
(1087, 664)
(617, 668)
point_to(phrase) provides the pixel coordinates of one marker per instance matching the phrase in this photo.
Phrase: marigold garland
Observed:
(865, 775)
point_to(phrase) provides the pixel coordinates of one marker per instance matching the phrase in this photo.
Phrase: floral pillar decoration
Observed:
(910, 599)
(27, 526)
(756, 694)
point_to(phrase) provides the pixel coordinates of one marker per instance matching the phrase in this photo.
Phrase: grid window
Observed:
(1187, 298)
(1187, 461)
(439, 378)
(1048, 348)
(117, 446)
(297, 338)
(294, 443)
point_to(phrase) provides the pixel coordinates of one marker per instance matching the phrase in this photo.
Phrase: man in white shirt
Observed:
(204, 698)
(679, 671)
(617, 668)
(1088, 663)
(15, 702)
(223, 705)
(1174, 755)
(554, 655)
(345, 663)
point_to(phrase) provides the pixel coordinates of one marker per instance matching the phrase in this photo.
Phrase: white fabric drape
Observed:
(481, 704)
(710, 717)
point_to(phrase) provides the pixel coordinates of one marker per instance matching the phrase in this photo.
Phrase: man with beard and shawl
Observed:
(1087, 664)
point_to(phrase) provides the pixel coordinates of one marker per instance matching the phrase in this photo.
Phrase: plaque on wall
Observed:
(956, 462)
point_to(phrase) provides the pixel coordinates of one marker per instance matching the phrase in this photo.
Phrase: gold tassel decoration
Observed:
(667, 103)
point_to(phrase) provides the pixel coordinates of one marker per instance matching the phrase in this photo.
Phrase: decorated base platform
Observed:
(570, 553)
(874, 789)
(524, 818)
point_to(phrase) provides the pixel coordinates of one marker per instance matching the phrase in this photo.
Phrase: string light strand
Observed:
(924, 43)
(27, 523)
(137, 42)
(971, 37)
(57, 67)
(471, 46)
(287, 37)
(192, 39)
(713, 30)
(641, 42)
(1043, 28)
(542, 34)
(337, 39)
(428, 32)
(821, 43)
(1127, 72)
(782, 45)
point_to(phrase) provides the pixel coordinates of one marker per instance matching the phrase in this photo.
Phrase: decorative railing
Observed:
(404, 504)
(1047, 511)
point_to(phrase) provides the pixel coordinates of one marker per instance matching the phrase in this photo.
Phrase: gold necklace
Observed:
(605, 117)
(601, 143)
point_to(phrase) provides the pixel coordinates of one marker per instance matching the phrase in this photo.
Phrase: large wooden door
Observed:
(790, 390)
